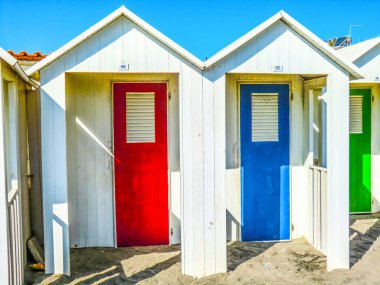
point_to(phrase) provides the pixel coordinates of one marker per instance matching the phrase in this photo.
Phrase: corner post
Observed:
(375, 145)
(338, 171)
(54, 170)
(4, 240)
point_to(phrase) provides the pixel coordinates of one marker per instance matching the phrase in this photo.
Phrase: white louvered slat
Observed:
(356, 114)
(264, 117)
(140, 117)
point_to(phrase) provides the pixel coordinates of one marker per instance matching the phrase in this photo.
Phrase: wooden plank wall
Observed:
(369, 64)
(19, 156)
(4, 239)
(375, 145)
(279, 45)
(34, 139)
(90, 166)
(122, 42)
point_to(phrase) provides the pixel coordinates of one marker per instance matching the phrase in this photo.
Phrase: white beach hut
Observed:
(122, 92)
(364, 130)
(15, 228)
(279, 120)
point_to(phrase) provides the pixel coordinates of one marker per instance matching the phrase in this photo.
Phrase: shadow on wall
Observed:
(364, 231)
(175, 231)
(375, 204)
(233, 227)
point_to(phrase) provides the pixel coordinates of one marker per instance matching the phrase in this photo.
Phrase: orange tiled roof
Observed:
(37, 56)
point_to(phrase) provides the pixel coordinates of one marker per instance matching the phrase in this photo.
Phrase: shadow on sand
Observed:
(364, 231)
(240, 252)
(112, 266)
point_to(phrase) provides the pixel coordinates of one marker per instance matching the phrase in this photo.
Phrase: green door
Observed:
(360, 150)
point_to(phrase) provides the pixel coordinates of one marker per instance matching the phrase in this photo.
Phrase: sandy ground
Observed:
(294, 262)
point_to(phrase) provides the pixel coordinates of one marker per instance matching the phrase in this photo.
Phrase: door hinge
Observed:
(170, 96)
(291, 96)
(171, 231)
(373, 98)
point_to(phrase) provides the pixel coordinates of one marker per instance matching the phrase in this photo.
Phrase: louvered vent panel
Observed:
(264, 117)
(356, 114)
(140, 117)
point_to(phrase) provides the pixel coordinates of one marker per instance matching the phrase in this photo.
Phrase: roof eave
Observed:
(10, 60)
(364, 51)
(322, 46)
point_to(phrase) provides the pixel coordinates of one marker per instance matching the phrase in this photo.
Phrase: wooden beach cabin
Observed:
(16, 91)
(364, 127)
(279, 119)
(122, 146)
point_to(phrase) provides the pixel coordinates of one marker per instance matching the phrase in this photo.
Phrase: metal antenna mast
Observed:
(350, 34)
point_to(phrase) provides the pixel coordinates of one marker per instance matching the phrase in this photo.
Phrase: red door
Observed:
(141, 164)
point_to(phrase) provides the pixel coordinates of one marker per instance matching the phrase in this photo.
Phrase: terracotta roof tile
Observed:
(24, 56)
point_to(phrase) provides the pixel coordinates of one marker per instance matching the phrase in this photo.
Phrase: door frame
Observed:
(113, 148)
(261, 82)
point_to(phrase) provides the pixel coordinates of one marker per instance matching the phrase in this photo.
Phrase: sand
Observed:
(294, 262)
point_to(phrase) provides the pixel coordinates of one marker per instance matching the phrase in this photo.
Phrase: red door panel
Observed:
(141, 177)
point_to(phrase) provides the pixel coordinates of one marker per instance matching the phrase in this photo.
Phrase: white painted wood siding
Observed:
(280, 45)
(122, 42)
(375, 148)
(90, 149)
(13, 92)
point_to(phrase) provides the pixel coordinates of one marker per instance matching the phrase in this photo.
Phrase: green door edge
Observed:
(360, 159)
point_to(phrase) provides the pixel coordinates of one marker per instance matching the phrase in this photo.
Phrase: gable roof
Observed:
(300, 29)
(122, 11)
(356, 51)
(305, 33)
(16, 66)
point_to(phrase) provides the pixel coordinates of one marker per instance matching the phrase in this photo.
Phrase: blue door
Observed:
(264, 141)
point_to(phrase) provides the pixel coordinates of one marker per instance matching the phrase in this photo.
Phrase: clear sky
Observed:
(201, 27)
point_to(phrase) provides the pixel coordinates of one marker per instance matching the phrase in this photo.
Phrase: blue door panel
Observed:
(265, 171)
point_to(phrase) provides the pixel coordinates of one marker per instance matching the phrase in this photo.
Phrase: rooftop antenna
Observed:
(351, 26)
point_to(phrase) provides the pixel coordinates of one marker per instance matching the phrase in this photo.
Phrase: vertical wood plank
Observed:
(81, 160)
(90, 161)
(108, 140)
(337, 165)
(4, 241)
(186, 161)
(375, 145)
(111, 46)
(47, 142)
(220, 167)
(72, 160)
(198, 173)
(209, 172)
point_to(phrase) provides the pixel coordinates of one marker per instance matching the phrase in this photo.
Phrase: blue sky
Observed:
(202, 27)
